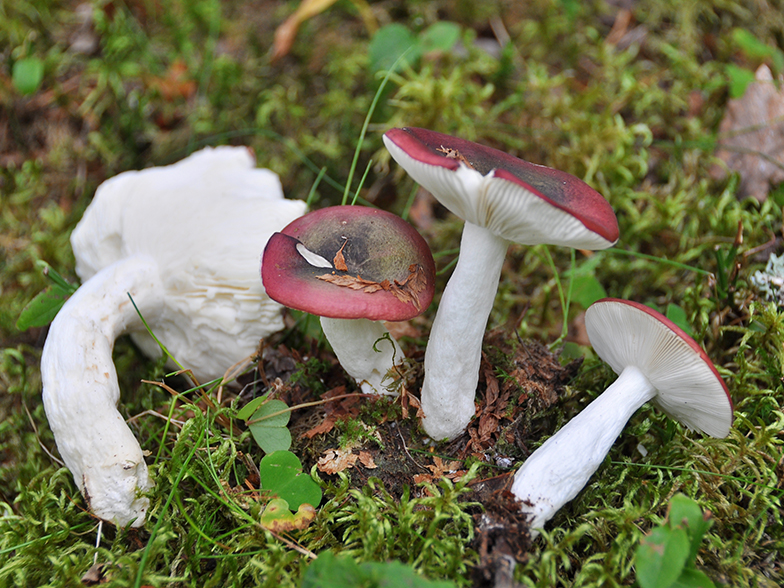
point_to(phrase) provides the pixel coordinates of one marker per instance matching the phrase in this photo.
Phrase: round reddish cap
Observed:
(350, 262)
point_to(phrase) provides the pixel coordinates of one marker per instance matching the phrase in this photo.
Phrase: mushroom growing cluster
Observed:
(182, 243)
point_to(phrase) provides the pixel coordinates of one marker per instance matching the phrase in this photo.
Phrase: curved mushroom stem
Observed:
(556, 472)
(454, 349)
(365, 349)
(80, 388)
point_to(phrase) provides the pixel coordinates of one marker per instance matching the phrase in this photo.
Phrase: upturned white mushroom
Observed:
(655, 361)
(503, 200)
(184, 241)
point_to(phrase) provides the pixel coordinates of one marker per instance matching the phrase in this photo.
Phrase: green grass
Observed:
(621, 117)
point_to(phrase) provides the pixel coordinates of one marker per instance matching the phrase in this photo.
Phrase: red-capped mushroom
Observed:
(655, 361)
(354, 267)
(503, 199)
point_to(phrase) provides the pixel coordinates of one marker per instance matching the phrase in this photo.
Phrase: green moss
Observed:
(636, 119)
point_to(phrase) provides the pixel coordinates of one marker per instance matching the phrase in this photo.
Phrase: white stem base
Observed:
(80, 388)
(454, 350)
(365, 349)
(556, 472)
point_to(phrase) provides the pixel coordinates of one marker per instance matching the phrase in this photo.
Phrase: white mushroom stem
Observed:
(365, 349)
(454, 349)
(556, 472)
(80, 388)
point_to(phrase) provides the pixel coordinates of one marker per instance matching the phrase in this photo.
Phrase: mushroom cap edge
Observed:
(689, 388)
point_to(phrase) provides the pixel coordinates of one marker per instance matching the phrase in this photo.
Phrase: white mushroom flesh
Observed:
(556, 472)
(366, 350)
(454, 349)
(186, 241)
(80, 388)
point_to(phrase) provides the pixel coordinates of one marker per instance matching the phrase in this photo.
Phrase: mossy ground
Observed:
(633, 110)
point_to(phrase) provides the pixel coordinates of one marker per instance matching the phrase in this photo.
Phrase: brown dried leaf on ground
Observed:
(334, 411)
(533, 377)
(287, 32)
(366, 459)
(752, 136)
(441, 469)
(175, 83)
(337, 460)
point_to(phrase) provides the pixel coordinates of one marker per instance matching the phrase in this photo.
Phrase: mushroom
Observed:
(183, 242)
(655, 361)
(354, 267)
(502, 199)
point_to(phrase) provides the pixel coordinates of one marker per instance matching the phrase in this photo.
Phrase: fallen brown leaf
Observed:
(340, 262)
(176, 83)
(336, 460)
(406, 291)
(287, 32)
(366, 459)
(752, 132)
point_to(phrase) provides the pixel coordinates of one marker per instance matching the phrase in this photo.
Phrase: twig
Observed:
(403, 441)
(295, 546)
(38, 437)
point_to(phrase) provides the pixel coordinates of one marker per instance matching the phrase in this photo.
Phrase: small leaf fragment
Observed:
(278, 517)
(336, 460)
(27, 75)
(246, 411)
(340, 262)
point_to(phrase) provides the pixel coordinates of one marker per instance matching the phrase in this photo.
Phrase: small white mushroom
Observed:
(655, 361)
(184, 241)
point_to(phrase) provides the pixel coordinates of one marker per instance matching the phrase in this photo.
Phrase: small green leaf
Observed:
(341, 571)
(246, 411)
(42, 309)
(677, 315)
(389, 43)
(331, 571)
(661, 557)
(281, 474)
(753, 46)
(27, 75)
(278, 517)
(691, 578)
(394, 574)
(686, 513)
(740, 78)
(586, 290)
(440, 36)
(268, 426)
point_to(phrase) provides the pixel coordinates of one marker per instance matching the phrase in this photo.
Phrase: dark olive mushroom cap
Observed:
(350, 262)
(689, 389)
(504, 205)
